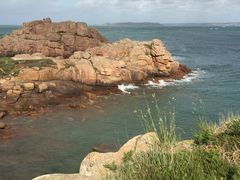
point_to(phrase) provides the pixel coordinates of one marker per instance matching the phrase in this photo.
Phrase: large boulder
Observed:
(51, 39)
(93, 167)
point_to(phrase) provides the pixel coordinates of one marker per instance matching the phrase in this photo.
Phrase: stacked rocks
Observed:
(51, 39)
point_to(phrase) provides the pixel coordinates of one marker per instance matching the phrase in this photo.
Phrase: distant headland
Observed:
(134, 24)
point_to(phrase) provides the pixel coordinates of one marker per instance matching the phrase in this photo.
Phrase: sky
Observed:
(105, 11)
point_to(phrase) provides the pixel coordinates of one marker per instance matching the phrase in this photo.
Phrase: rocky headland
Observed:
(50, 64)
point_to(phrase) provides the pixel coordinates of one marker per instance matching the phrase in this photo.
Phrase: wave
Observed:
(197, 74)
(159, 84)
(126, 87)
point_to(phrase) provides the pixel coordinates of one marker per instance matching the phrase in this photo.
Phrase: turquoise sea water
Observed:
(58, 141)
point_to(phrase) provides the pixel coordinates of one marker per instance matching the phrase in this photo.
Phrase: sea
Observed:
(58, 141)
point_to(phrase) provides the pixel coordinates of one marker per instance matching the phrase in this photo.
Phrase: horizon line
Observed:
(175, 23)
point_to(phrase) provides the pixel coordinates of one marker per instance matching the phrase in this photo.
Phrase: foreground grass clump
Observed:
(196, 164)
(214, 154)
(225, 138)
(9, 67)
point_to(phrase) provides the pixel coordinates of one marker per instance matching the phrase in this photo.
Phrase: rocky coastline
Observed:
(80, 66)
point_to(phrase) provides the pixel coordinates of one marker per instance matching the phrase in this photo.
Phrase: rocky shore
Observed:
(69, 64)
(95, 165)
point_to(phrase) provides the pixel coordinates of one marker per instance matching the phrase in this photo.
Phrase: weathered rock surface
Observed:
(51, 39)
(61, 177)
(2, 125)
(2, 114)
(28, 86)
(110, 64)
(92, 167)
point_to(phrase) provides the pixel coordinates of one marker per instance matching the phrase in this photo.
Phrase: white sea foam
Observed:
(126, 87)
(159, 84)
(178, 57)
(197, 74)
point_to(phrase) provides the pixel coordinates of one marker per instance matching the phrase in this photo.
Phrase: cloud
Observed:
(101, 11)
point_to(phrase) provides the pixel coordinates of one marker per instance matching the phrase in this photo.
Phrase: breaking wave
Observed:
(197, 74)
(126, 88)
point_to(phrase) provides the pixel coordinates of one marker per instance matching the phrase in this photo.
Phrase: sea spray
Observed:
(197, 74)
(126, 87)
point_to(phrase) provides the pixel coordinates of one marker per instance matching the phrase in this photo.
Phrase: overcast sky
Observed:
(103, 11)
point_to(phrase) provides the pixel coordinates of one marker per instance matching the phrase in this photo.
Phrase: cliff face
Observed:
(51, 39)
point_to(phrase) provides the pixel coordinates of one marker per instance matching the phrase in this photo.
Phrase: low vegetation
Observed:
(214, 153)
(9, 67)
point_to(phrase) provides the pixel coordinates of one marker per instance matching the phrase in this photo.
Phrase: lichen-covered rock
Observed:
(51, 39)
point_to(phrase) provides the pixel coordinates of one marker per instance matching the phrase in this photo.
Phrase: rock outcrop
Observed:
(93, 167)
(50, 39)
(46, 52)
(110, 64)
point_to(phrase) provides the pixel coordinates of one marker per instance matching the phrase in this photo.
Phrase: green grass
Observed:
(225, 138)
(226, 135)
(197, 164)
(214, 155)
(9, 67)
(112, 166)
(205, 134)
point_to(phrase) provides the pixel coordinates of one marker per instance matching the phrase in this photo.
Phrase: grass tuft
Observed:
(112, 166)
(9, 67)
(215, 154)
(205, 134)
